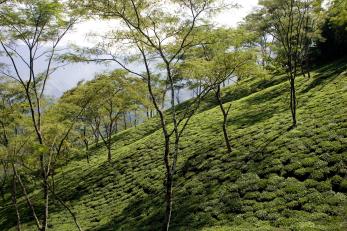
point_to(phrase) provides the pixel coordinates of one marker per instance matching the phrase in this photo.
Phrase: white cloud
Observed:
(82, 34)
(82, 31)
(67, 78)
(232, 17)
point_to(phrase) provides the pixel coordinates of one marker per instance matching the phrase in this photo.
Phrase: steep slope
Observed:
(275, 179)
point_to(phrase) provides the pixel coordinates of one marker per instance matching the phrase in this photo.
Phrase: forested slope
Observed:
(275, 178)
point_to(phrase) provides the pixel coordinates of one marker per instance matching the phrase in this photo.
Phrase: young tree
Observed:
(291, 24)
(113, 103)
(110, 110)
(11, 109)
(36, 28)
(155, 32)
(255, 23)
(19, 148)
(119, 94)
(223, 54)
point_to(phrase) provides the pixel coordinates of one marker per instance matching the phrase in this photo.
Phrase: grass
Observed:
(274, 180)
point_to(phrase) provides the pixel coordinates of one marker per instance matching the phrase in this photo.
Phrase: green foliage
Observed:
(275, 180)
(28, 17)
(338, 13)
(334, 32)
(221, 55)
(294, 25)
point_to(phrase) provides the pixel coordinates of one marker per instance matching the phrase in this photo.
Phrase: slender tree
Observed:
(155, 34)
(222, 54)
(290, 23)
(106, 114)
(11, 100)
(255, 23)
(37, 27)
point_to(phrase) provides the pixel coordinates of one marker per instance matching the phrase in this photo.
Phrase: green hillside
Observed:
(274, 179)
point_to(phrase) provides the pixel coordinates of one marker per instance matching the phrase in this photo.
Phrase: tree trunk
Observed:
(14, 201)
(2, 186)
(168, 201)
(293, 101)
(2, 193)
(130, 119)
(68, 209)
(87, 154)
(303, 72)
(46, 199)
(109, 152)
(225, 118)
(225, 133)
(53, 183)
(96, 140)
(125, 121)
(96, 134)
(86, 145)
(168, 184)
(44, 175)
(27, 197)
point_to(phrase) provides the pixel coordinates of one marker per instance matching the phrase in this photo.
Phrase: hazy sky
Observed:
(68, 76)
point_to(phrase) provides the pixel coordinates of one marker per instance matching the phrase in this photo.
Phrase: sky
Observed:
(68, 76)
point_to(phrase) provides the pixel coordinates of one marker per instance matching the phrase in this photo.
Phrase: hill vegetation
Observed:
(275, 179)
(260, 144)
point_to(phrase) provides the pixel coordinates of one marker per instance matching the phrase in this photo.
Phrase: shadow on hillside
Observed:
(264, 98)
(325, 75)
(259, 109)
(143, 213)
(81, 182)
(66, 192)
(275, 80)
(258, 153)
(189, 211)
(235, 92)
(8, 218)
(140, 214)
(252, 117)
(146, 212)
(240, 92)
(82, 156)
(8, 215)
